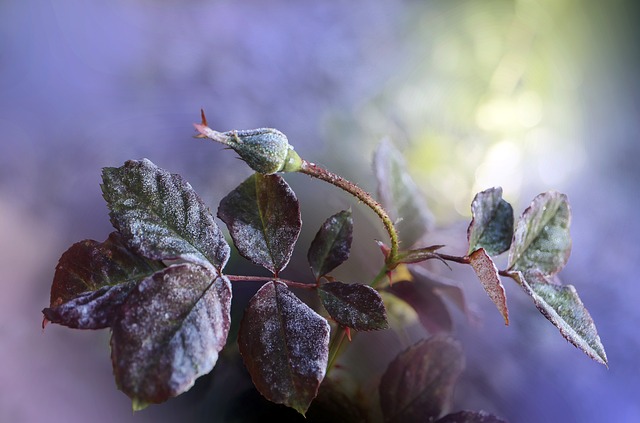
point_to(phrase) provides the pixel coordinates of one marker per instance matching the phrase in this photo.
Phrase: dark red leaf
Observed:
(490, 279)
(169, 332)
(331, 245)
(285, 346)
(418, 384)
(355, 306)
(432, 312)
(263, 217)
(470, 417)
(92, 280)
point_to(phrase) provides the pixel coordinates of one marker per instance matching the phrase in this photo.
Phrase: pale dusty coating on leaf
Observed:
(263, 217)
(170, 331)
(562, 306)
(161, 216)
(491, 227)
(354, 305)
(332, 244)
(284, 345)
(487, 272)
(92, 280)
(90, 310)
(541, 239)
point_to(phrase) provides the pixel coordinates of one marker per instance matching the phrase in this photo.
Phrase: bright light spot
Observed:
(497, 114)
(510, 114)
(501, 167)
(529, 109)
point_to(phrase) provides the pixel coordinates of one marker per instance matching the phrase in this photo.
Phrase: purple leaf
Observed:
(418, 384)
(331, 245)
(428, 304)
(161, 217)
(490, 279)
(285, 346)
(92, 280)
(355, 306)
(263, 217)
(169, 332)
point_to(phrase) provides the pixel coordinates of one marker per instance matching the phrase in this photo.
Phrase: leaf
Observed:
(400, 195)
(418, 384)
(541, 239)
(562, 306)
(169, 332)
(490, 279)
(263, 217)
(432, 312)
(160, 215)
(92, 280)
(355, 306)
(285, 346)
(470, 417)
(491, 227)
(419, 255)
(332, 244)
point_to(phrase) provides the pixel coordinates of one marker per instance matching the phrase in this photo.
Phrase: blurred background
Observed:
(529, 95)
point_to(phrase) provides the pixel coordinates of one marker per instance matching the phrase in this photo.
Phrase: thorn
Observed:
(203, 117)
(347, 330)
(385, 250)
(390, 278)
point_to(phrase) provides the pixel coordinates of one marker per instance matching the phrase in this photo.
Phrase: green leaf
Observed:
(541, 239)
(263, 217)
(92, 280)
(169, 332)
(487, 272)
(418, 384)
(354, 305)
(161, 217)
(562, 306)
(285, 346)
(332, 244)
(491, 227)
(470, 417)
(400, 195)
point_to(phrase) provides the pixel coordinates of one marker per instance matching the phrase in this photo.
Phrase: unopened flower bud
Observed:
(265, 150)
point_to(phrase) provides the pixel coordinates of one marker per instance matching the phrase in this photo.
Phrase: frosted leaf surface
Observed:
(263, 218)
(418, 384)
(355, 306)
(169, 332)
(332, 244)
(541, 239)
(160, 215)
(285, 346)
(400, 195)
(562, 306)
(491, 227)
(487, 272)
(91, 281)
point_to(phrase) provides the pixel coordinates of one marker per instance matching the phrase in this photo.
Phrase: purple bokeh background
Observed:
(85, 86)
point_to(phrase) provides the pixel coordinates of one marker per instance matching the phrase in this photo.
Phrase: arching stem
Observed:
(321, 173)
